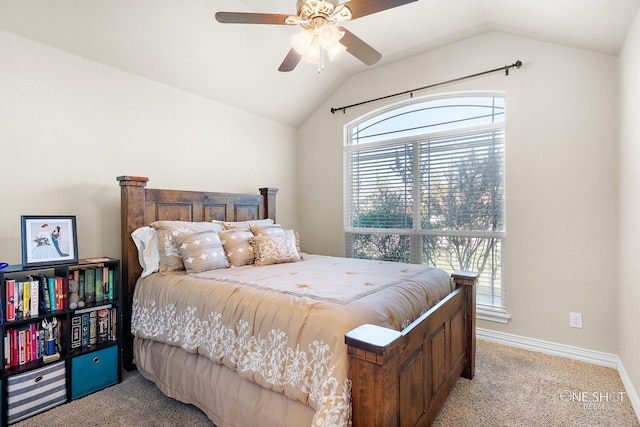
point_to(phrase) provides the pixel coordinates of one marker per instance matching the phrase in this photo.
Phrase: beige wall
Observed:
(629, 214)
(69, 126)
(560, 172)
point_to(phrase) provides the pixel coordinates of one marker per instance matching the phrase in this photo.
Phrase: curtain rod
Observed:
(516, 64)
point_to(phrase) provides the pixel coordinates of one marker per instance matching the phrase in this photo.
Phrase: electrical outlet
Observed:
(575, 320)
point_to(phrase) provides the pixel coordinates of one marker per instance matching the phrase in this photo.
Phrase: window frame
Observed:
(416, 233)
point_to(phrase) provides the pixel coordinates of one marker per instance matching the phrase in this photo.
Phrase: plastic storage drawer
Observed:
(36, 391)
(94, 371)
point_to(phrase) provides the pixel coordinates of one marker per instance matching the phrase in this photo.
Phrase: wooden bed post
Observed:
(269, 195)
(403, 378)
(132, 202)
(468, 281)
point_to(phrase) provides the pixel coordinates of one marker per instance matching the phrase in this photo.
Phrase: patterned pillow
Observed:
(237, 247)
(266, 230)
(201, 251)
(170, 259)
(244, 225)
(274, 250)
(275, 230)
(297, 236)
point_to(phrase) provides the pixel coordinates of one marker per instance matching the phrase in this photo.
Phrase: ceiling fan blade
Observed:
(359, 48)
(290, 61)
(360, 8)
(251, 18)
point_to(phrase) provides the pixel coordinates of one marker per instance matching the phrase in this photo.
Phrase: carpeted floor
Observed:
(512, 388)
(515, 387)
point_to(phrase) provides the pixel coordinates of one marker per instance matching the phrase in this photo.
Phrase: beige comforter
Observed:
(282, 326)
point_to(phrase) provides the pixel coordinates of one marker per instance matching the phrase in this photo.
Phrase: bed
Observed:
(270, 349)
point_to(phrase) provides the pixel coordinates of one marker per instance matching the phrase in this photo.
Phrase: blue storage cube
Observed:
(94, 371)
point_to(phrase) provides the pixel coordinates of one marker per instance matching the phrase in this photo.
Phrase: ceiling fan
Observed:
(321, 34)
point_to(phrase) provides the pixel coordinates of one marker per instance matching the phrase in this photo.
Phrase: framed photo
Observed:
(49, 240)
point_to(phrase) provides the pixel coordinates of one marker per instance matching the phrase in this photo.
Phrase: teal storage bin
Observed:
(94, 371)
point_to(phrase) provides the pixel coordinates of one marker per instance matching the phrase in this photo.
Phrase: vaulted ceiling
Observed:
(179, 43)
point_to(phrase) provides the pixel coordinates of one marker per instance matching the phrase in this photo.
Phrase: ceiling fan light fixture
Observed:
(336, 51)
(302, 42)
(313, 55)
(329, 36)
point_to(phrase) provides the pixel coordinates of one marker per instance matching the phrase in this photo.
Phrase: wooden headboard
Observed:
(140, 206)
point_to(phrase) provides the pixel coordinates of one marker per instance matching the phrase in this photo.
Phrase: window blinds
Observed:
(433, 198)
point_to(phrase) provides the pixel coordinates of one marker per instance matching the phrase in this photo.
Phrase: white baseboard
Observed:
(547, 347)
(631, 391)
(570, 352)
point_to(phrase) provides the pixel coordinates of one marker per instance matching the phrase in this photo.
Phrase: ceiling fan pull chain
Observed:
(321, 65)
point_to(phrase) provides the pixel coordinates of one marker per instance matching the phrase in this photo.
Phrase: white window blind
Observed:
(434, 195)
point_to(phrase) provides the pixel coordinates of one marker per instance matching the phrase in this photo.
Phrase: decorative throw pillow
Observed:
(146, 240)
(237, 247)
(297, 237)
(275, 230)
(244, 225)
(201, 251)
(266, 230)
(170, 259)
(274, 250)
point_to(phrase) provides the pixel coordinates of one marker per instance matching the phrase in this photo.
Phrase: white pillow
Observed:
(146, 240)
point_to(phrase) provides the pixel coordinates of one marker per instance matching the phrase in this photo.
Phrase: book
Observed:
(45, 302)
(19, 300)
(80, 278)
(90, 283)
(103, 325)
(57, 336)
(76, 331)
(22, 342)
(95, 259)
(7, 349)
(99, 284)
(52, 293)
(15, 345)
(33, 338)
(26, 303)
(42, 342)
(113, 332)
(35, 297)
(84, 338)
(10, 285)
(93, 327)
(110, 280)
(64, 292)
(60, 290)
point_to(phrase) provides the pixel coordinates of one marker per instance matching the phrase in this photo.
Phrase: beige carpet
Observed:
(512, 387)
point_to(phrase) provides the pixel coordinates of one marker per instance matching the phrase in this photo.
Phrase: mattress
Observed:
(282, 327)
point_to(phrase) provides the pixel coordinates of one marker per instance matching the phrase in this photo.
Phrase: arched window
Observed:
(424, 183)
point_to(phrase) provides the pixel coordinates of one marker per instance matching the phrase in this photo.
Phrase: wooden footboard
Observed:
(404, 378)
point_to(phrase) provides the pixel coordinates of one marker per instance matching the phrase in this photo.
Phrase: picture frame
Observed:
(48, 240)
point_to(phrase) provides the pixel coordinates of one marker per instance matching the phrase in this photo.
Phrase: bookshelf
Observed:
(61, 334)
